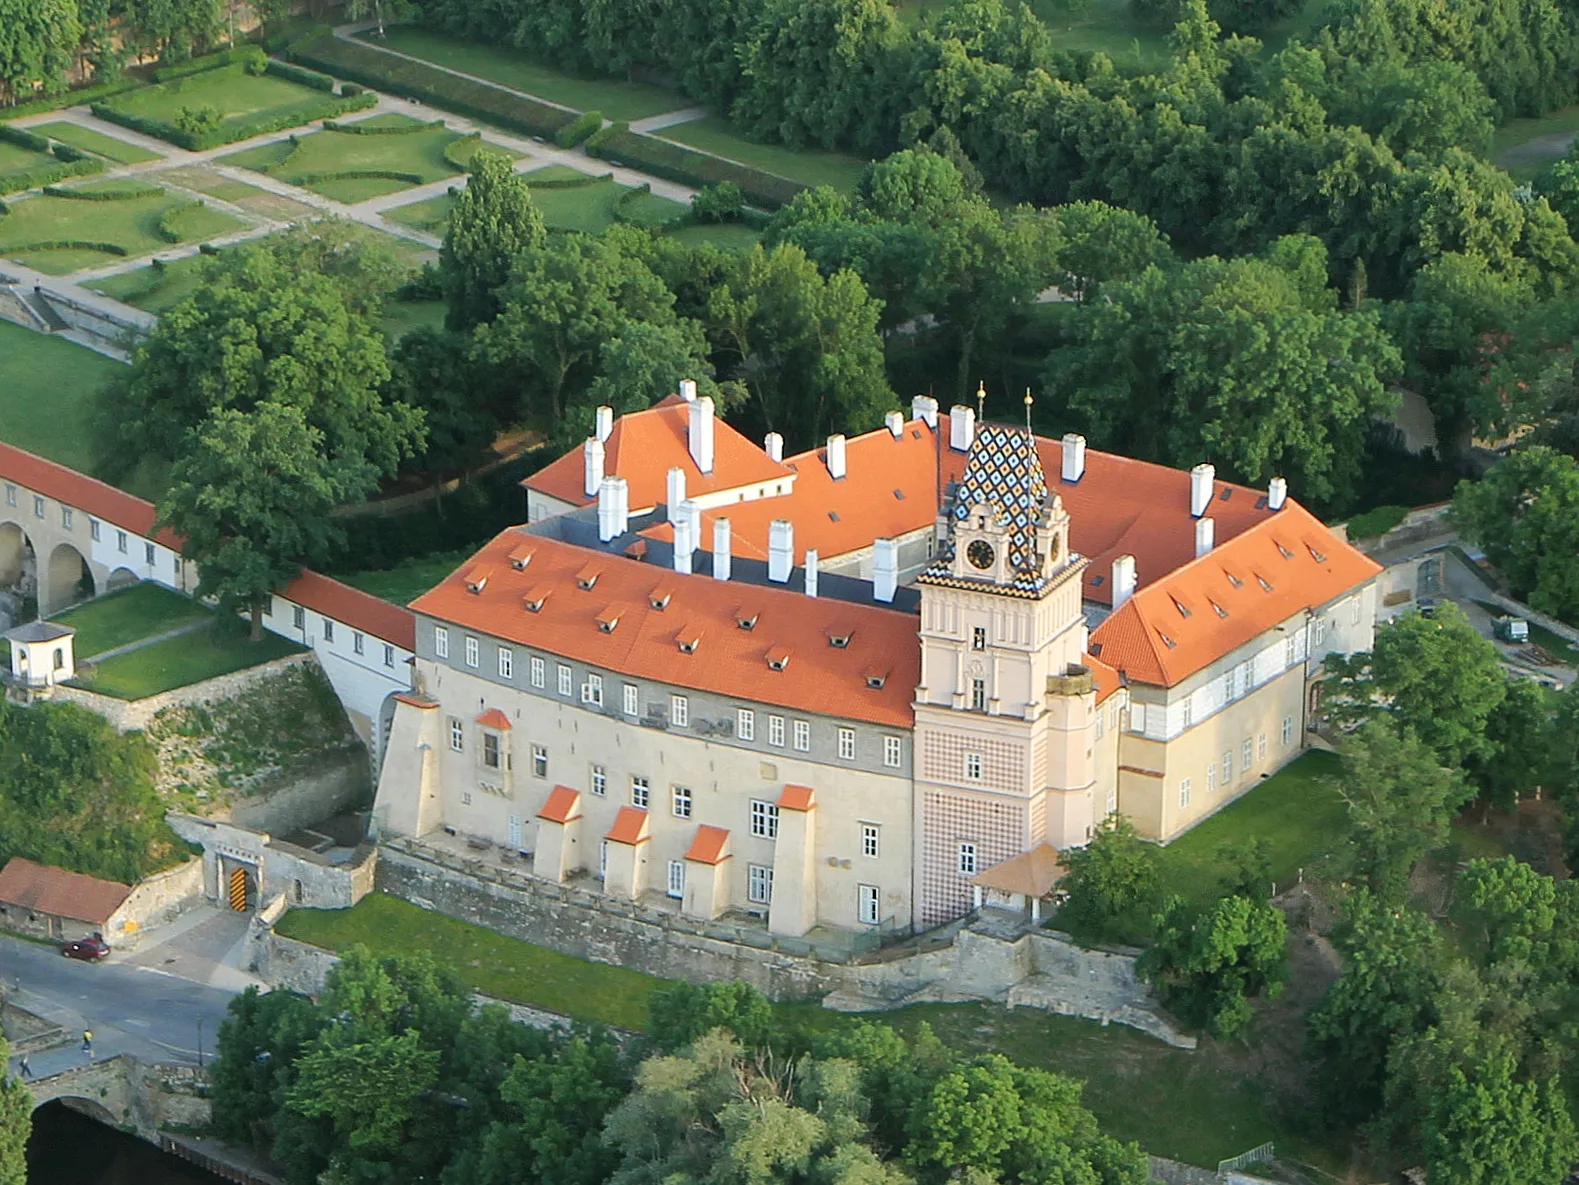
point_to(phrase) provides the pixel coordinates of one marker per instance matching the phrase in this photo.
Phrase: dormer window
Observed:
(587, 578)
(839, 640)
(1233, 580)
(1167, 641)
(659, 598)
(746, 619)
(608, 619)
(778, 658)
(1283, 551)
(688, 640)
(1319, 556)
(521, 557)
(1184, 610)
(1218, 609)
(875, 682)
(534, 600)
(477, 579)
(1266, 585)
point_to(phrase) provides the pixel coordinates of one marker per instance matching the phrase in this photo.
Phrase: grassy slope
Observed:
(231, 90)
(812, 167)
(47, 386)
(154, 290)
(98, 143)
(178, 662)
(128, 614)
(14, 157)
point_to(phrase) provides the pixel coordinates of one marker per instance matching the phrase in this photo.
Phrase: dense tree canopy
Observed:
(1524, 514)
(37, 40)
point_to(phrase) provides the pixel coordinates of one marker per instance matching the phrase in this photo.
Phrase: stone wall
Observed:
(155, 900)
(122, 332)
(134, 715)
(340, 781)
(292, 874)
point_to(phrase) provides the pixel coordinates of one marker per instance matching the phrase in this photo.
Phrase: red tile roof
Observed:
(708, 845)
(1105, 677)
(797, 798)
(356, 608)
(645, 445)
(495, 719)
(630, 826)
(45, 889)
(85, 493)
(416, 701)
(1187, 620)
(729, 660)
(563, 805)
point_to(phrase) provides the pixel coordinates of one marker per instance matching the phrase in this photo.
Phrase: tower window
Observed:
(978, 695)
(978, 638)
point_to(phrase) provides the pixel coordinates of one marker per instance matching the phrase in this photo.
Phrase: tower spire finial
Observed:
(981, 399)
(1028, 402)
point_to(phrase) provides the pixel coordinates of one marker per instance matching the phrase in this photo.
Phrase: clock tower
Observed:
(1005, 711)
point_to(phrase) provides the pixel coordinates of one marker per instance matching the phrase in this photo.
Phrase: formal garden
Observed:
(90, 140)
(568, 200)
(47, 387)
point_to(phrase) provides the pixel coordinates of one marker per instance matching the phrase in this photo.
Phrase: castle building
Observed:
(839, 690)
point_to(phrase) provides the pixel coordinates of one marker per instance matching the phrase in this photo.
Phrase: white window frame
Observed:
(506, 662)
(148, 553)
(298, 617)
(599, 781)
(978, 695)
(603, 859)
(871, 840)
(492, 747)
(566, 681)
(66, 517)
(1184, 793)
(776, 731)
(745, 724)
(120, 542)
(592, 690)
(631, 700)
(539, 672)
(38, 506)
(966, 859)
(441, 642)
(846, 744)
(868, 904)
(973, 767)
(358, 642)
(1228, 767)
(978, 637)
(328, 630)
(1247, 752)
(457, 735)
(764, 819)
(680, 801)
(679, 711)
(389, 655)
(1288, 731)
(1211, 776)
(10, 494)
(1261, 747)
(676, 882)
(802, 736)
(641, 791)
(539, 761)
(893, 752)
(759, 884)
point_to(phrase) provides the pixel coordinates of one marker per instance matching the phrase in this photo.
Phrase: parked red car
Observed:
(89, 950)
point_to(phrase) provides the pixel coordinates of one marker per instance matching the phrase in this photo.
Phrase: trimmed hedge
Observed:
(381, 129)
(675, 162)
(566, 182)
(87, 94)
(578, 129)
(213, 61)
(631, 196)
(70, 244)
(166, 227)
(36, 178)
(103, 195)
(301, 76)
(450, 149)
(230, 131)
(24, 138)
(68, 152)
(417, 80)
(355, 175)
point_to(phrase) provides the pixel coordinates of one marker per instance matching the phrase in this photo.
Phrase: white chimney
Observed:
(811, 572)
(835, 455)
(721, 557)
(605, 421)
(691, 511)
(1205, 536)
(682, 544)
(961, 427)
(773, 445)
(1123, 579)
(674, 492)
(688, 390)
(895, 420)
(1201, 479)
(924, 407)
(1074, 456)
(781, 550)
(885, 569)
(1276, 493)
(592, 454)
(613, 508)
(702, 433)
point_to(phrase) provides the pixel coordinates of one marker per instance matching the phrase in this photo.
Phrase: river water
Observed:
(70, 1149)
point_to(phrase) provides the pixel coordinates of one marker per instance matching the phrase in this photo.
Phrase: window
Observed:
(506, 662)
(967, 859)
(867, 901)
(1246, 755)
(1211, 776)
(356, 642)
(632, 704)
(539, 673)
(973, 766)
(1261, 747)
(1288, 731)
(94, 529)
(466, 798)
(65, 517)
(389, 655)
(600, 781)
(641, 792)
(978, 638)
(680, 801)
(328, 630)
(677, 878)
(764, 819)
(745, 724)
(978, 695)
(1228, 766)
(441, 641)
(148, 553)
(1288, 653)
(473, 651)
(1137, 717)
(490, 750)
(603, 858)
(564, 680)
(10, 494)
(457, 734)
(592, 690)
(1101, 724)
(802, 737)
(1184, 792)
(1354, 611)
(38, 506)
(120, 542)
(1112, 800)
(776, 731)
(1189, 712)
(870, 840)
(679, 711)
(759, 884)
(298, 617)
(892, 751)
(847, 744)
(1318, 631)
(268, 607)
(539, 761)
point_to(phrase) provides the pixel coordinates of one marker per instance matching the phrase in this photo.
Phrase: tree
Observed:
(359, 261)
(1105, 244)
(1108, 878)
(37, 39)
(1436, 676)
(1508, 911)
(16, 1121)
(1525, 515)
(1485, 1127)
(493, 221)
(1519, 733)
(432, 371)
(1209, 964)
(252, 497)
(1400, 801)
(393, 11)
(257, 1046)
(684, 1012)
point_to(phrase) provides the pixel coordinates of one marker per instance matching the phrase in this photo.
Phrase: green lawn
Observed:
(178, 662)
(230, 90)
(511, 68)
(95, 142)
(729, 236)
(413, 578)
(47, 385)
(1526, 146)
(653, 211)
(812, 167)
(132, 225)
(491, 963)
(14, 157)
(402, 316)
(120, 617)
(432, 215)
(153, 289)
(588, 208)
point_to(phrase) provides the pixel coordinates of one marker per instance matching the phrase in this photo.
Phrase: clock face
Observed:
(979, 553)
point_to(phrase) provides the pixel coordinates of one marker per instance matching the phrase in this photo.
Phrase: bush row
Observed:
(567, 182)
(68, 153)
(167, 221)
(69, 244)
(24, 138)
(124, 194)
(87, 94)
(630, 197)
(355, 175)
(416, 80)
(230, 131)
(301, 76)
(35, 178)
(381, 129)
(245, 54)
(453, 148)
(578, 129)
(676, 162)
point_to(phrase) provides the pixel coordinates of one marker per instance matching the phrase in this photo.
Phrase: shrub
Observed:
(123, 194)
(199, 121)
(88, 94)
(66, 152)
(383, 129)
(250, 57)
(453, 149)
(626, 201)
(417, 80)
(24, 138)
(675, 162)
(567, 182)
(167, 228)
(68, 244)
(301, 76)
(16, 182)
(578, 129)
(230, 131)
(355, 175)
(206, 249)
(350, 88)
(719, 203)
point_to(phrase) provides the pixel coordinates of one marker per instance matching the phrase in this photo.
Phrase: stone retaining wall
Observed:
(134, 715)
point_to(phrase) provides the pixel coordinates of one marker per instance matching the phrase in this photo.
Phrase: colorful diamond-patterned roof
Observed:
(1003, 470)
